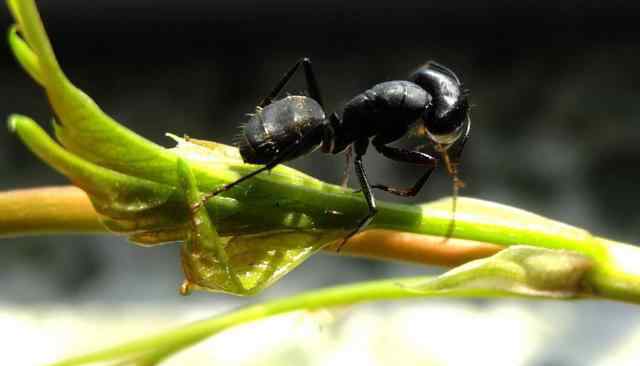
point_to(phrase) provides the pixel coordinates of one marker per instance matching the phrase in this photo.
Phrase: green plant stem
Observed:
(180, 338)
(67, 209)
(615, 276)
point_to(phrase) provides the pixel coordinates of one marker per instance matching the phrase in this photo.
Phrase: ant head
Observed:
(445, 117)
(446, 128)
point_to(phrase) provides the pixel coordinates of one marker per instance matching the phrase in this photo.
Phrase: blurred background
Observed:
(554, 87)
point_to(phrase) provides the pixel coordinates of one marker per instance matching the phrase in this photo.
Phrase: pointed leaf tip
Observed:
(12, 32)
(12, 122)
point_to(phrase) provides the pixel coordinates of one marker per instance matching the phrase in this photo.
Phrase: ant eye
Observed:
(445, 129)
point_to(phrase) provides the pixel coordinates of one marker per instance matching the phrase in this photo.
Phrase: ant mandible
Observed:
(285, 129)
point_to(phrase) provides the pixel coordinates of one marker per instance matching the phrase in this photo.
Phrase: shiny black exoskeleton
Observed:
(433, 97)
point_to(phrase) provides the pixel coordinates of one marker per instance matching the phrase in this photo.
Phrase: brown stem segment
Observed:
(417, 248)
(47, 210)
(67, 209)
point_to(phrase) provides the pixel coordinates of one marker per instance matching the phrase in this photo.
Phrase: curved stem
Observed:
(185, 336)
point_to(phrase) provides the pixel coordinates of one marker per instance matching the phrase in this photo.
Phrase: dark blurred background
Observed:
(554, 87)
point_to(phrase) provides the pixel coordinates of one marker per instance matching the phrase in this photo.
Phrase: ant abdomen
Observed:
(278, 126)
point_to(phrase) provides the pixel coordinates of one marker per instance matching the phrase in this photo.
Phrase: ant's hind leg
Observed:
(312, 83)
(207, 196)
(272, 164)
(293, 150)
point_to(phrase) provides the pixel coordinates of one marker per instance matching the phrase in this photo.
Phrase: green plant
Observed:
(230, 246)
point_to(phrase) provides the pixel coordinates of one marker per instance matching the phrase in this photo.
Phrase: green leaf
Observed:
(83, 128)
(27, 59)
(119, 194)
(519, 270)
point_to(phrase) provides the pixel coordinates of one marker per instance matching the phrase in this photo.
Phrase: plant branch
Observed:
(47, 210)
(616, 274)
(180, 338)
(67, 209)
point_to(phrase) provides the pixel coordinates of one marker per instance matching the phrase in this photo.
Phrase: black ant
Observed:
(285, 129)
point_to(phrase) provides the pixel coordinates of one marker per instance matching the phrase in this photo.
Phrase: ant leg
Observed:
(406, 156)
(361, 149)
(312, 83)
(292, 150)
(227, 187)
(272, 164)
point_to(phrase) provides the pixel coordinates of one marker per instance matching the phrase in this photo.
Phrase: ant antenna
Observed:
(457, 183)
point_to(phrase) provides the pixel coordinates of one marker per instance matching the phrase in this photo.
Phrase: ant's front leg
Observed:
(406, 156)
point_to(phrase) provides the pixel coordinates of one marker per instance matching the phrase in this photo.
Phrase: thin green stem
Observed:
(180, 338)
